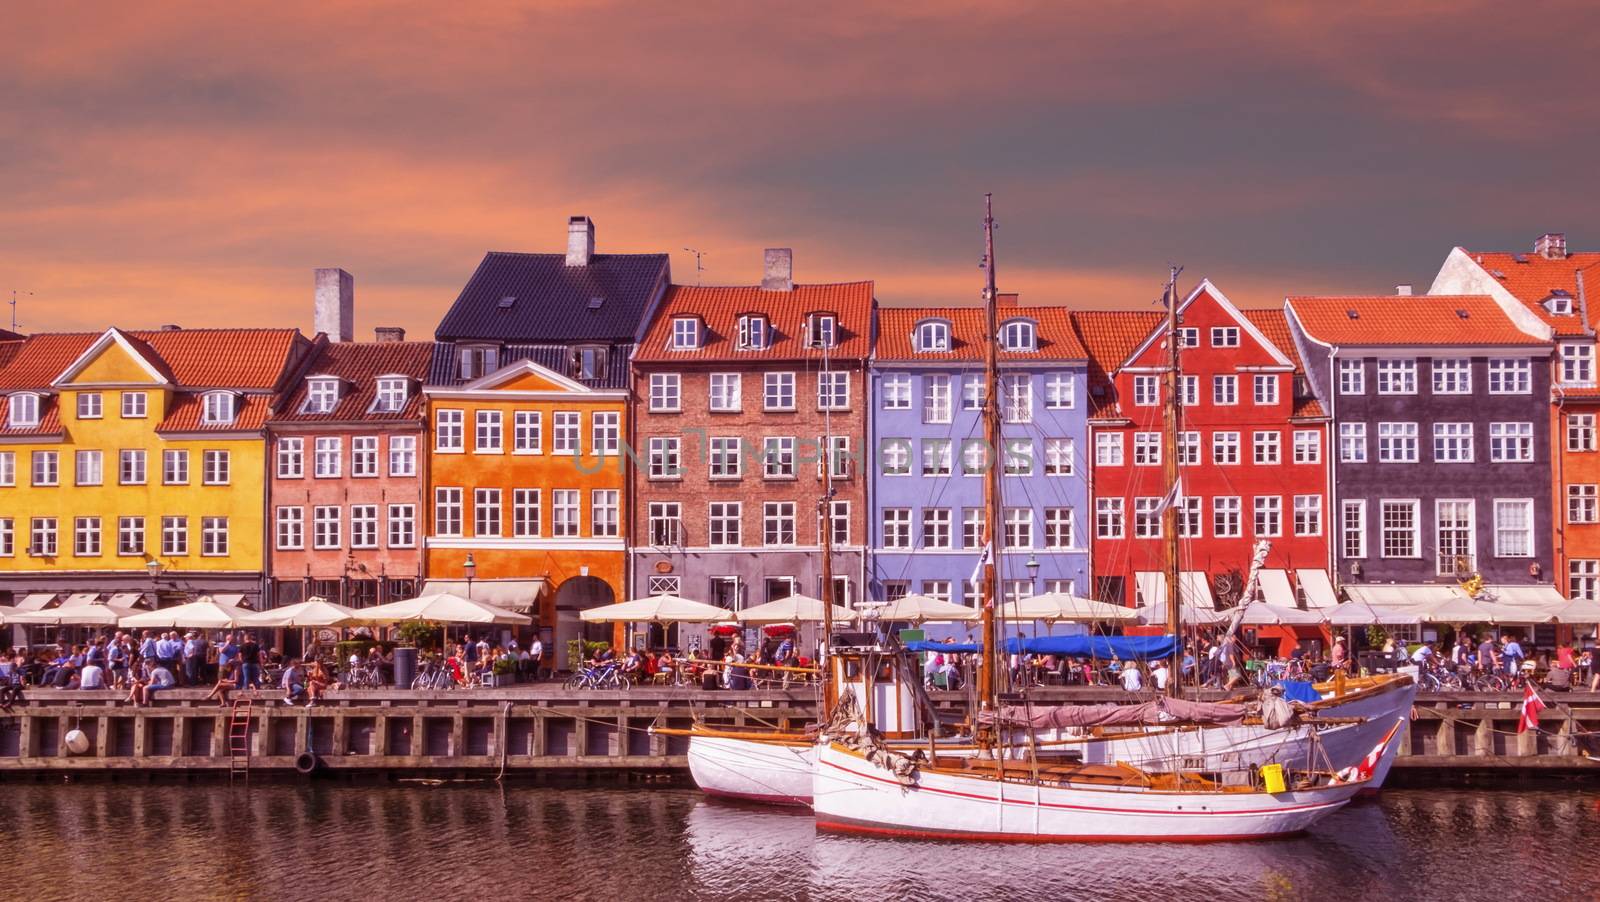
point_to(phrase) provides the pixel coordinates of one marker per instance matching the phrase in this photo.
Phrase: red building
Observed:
(1251, 457)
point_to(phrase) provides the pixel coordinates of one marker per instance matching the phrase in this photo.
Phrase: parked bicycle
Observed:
(363, 676)
(434, 675)
(607, 675)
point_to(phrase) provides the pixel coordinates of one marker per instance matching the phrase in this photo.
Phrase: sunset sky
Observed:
(192, 162)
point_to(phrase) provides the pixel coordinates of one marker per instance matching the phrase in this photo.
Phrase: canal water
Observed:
(334, 841)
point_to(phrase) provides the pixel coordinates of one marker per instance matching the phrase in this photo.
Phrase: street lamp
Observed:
(1033, 566)
(470, 568)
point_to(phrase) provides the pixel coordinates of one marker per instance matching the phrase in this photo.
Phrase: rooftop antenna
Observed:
(14, 293)
(697, 267)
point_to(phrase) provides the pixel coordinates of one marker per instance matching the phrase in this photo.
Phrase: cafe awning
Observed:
(36, 601)
(1318, 588)
(131, 600)
(1275, 589)
(511, 594)
(77, 599)
(1194, 590)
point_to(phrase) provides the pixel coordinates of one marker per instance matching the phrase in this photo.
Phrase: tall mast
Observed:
(830, 692)
(1169, 468)
(987, 683)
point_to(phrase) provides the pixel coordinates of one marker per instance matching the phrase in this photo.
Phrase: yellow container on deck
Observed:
(1272, 775)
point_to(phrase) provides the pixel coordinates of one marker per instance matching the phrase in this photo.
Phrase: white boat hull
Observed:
(852, 795)
(777, 773)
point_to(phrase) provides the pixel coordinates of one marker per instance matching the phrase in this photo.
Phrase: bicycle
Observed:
(607, 675)
(363, 676)
(433, 675)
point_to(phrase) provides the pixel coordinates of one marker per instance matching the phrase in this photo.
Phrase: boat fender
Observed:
(1276, 712)
(307, 763)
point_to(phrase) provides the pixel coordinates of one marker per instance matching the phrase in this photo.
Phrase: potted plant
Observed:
(503, 672)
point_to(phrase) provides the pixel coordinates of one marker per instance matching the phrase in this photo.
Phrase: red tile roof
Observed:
(1532, 281)
(721, 306)
(184, 416)
(1057, 341)
(49, 419)
(1274, 324)
(358, 365)
(1385, 320)
(1110, 336)
(196, 358)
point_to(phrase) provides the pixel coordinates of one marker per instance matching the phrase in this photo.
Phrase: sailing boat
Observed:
(861, 784)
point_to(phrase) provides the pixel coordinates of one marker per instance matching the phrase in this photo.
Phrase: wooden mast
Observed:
(830, 689)
(987, 681)
(1169, 468)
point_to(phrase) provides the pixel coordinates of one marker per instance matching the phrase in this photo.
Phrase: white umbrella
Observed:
(1061, 606)
(657, 609)
(1359, 613)
(1260, 613)
(441, 607)
(917, 608)
(1579, 610)
(1465, 610)
(94, 614)
(314, 613)
(794, 609)
(203, 614)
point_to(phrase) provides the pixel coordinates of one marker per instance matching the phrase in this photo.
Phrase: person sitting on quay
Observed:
(144, 691)
(169, 652)
(318, 682)
(227, 678)
(1132, 679)
(92, 676)
(294, 682)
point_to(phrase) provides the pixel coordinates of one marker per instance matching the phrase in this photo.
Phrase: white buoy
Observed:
(77, 742)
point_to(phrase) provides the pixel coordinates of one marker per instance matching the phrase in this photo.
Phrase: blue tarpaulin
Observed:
(953, 647)
(1126, 648)
(1299, 691)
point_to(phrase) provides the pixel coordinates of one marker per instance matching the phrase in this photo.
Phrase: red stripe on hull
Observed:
(845, 825)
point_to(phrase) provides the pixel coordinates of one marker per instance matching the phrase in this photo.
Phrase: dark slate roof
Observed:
(442, 372)
(359, 364)
(552, 298)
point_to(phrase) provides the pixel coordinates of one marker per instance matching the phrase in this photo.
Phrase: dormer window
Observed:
(822, 330)
(752, 332)
(321, 395)
(685, 333)
(1018, 335)
(24, 410)
(933, 336)
(392, 394)
(478, 360)
(219, 408)
(1559, 303)
(589, 363)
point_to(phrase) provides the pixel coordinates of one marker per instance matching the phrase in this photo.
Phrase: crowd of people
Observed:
(144, 664)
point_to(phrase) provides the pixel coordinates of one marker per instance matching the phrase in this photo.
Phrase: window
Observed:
(447, 511)
(89, 405)
(90, 468)
(726, 393)
(1225, 448)
(1452, 376)
(363, 526)
(131, 467)
(215, 467)
(1452, 443)
(402, 525)
(392, 395)
(841, 522)
(175, 536)
(935, 398)
(1583, 503)
(1224, 390)
(321, 395)
(896, 391)
(448, 430)
(327, 456)
(175, 467)
(525, 515)
(1147, 449)
(488, 435)
(1353, 443)
(752, 332)
(974, 457)
(1146, 391)
(605, 513)
(1308, 515)
(666, 392)
(1511, 442)
(725, 457)
(777, 391)
(724, 523)
(1352, 377)
(897, 528)
(326, 527)
(1060, 391)
(564, 512)
(1513, 528)
(402, 455)
(478, 361)
(822, 331)
(133, 405)
(666, 524)
(1580, 432)
(291, 526)
(895, 456)
(1188, 449)
(42, 537)
(1583, 578)
(1019, 457)
(1147, 518)
(1577, 364)
(1397, 443)
(972, 522)
(1108, 449)
(1018, 527)
(1353, 529)
(1307, 446)
(1266, 389)
(665, 457)
(1224, 336)
(974, 392)
(937, 457)
(933, 336)
(218, 408)
(1225, 517)
(1188, 391)
(685, 333)
(833, 390)
(838, 457)
(86, 537)
(1508, 376)
(214, 536)
(1266, 447)
(1108, 518)
(566, 432)
(45, 468)
(527, 432)
(1189, 516)
(1269, 515)
(1399, 528)
(1453, 523)
(1058, 527)
(1188, 336)
(486, 520)
(1017, 335)
(8, 468)
(777, 523)
(936, 588)
(1058, 457)
(589, 363)
(605, 432)
(1397, 377)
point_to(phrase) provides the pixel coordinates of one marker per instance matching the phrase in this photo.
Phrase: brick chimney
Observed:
(335, 313)
(778, 271)
(580, 241)
(389, 333)
(1551, 245)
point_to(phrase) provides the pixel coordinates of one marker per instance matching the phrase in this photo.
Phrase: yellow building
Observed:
(134, 462)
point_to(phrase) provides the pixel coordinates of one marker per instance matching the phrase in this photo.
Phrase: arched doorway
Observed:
(580, 593)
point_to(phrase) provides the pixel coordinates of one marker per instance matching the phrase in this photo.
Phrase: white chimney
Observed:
(389, 333)
(335, 313)
(778, 271)
(580, 240)
(1551, 245)
(1402, 291)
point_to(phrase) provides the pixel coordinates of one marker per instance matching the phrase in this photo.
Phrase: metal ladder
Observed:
(239, 739)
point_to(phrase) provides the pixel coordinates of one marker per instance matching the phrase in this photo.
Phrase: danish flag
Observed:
(1362, 772)
(1532, 704)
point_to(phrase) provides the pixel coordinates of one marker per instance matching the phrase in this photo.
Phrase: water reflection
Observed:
(333, 840)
